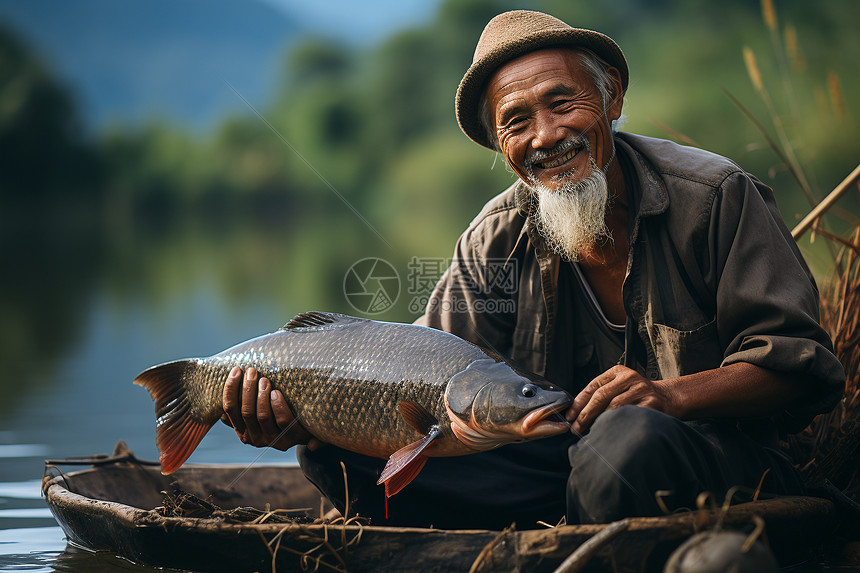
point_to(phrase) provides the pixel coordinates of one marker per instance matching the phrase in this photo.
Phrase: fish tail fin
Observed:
(178, 431)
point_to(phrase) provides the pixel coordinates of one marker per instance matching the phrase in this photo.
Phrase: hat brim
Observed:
(471, 88)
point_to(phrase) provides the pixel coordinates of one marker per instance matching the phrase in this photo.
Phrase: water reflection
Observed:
(64, 265)
(21, 490)
(23, 451)
(44, 550)
(30, 549)
(76, 560)
(49, 276)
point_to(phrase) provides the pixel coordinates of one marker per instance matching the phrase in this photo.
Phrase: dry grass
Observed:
(830, 447)
(179, 503)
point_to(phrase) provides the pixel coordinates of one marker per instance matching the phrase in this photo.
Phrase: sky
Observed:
(360, 22)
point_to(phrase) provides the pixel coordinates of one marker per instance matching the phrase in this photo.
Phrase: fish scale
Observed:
(375, 388)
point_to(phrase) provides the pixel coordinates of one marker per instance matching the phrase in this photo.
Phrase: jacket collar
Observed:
(654, 198)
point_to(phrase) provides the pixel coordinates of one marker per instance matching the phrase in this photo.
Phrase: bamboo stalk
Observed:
(828, 201)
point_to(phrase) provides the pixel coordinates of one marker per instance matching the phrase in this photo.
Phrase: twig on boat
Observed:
(345, 504)
(488, 548)
(702, 516)
(182, 504)
(727, 501)
(322, 546)
(262, 518)
(756, 533)
(562, 521)
(760, 483)
(346, 492)
(305, 557)
(583, 554)
(658, 496)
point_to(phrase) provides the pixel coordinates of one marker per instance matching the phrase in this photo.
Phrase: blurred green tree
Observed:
(44, 156)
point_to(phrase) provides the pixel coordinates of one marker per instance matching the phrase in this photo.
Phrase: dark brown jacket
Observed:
(713, 278)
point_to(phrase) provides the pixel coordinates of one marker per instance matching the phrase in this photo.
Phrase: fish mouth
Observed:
(537, 422)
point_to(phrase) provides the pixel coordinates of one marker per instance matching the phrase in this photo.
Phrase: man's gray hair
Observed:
(595, 66)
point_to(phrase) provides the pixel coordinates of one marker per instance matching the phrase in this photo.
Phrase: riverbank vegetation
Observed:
(263, 204)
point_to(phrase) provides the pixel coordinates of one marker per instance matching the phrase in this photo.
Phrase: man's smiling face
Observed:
(550, 118)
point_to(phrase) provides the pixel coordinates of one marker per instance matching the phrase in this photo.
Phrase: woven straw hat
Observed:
(512, 34)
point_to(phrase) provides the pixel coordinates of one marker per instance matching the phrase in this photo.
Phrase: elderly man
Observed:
(656, 283)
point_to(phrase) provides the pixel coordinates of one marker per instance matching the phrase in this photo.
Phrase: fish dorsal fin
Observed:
(315, 319)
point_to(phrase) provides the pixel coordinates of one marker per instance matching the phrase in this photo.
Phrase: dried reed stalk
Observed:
(830, 447)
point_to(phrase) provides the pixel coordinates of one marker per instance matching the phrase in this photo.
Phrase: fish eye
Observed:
(529, 390)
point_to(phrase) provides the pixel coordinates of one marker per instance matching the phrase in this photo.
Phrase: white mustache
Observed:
(538, 155)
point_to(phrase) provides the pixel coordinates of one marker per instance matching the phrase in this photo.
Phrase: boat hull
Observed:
(111, 507)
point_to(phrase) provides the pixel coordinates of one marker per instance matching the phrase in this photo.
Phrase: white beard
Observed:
(572, 218)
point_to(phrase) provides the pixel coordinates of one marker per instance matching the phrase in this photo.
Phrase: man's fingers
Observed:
(265, 416)
(231, 398)
(259, 413)
(618, 386)
(249, 405)
(283, 415)
(296, 433)
(607, 387)
(585, 397)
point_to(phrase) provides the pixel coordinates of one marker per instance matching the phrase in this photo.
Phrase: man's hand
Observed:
(618, 386)
(738, 390)
(259, 414)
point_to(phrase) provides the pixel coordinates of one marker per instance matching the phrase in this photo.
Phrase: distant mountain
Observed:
(358, 23)
(130, 60)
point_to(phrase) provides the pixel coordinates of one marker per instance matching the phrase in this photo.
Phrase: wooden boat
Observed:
(118, 505)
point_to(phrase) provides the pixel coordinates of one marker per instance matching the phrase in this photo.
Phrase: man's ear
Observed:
(615, 96)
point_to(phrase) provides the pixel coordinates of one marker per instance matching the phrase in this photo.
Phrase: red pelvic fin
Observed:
(405, 464)
(401, 479)
(177, 432)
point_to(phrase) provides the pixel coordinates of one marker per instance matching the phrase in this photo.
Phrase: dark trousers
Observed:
(615, 471)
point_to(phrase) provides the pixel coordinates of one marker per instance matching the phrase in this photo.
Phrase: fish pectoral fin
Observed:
(405, 464)
(417, 416)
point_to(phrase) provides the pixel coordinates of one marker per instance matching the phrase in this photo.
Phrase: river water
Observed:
(94, 405)
(82, 317)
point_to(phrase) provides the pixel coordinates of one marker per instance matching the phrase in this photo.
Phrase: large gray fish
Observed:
(389, 390)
